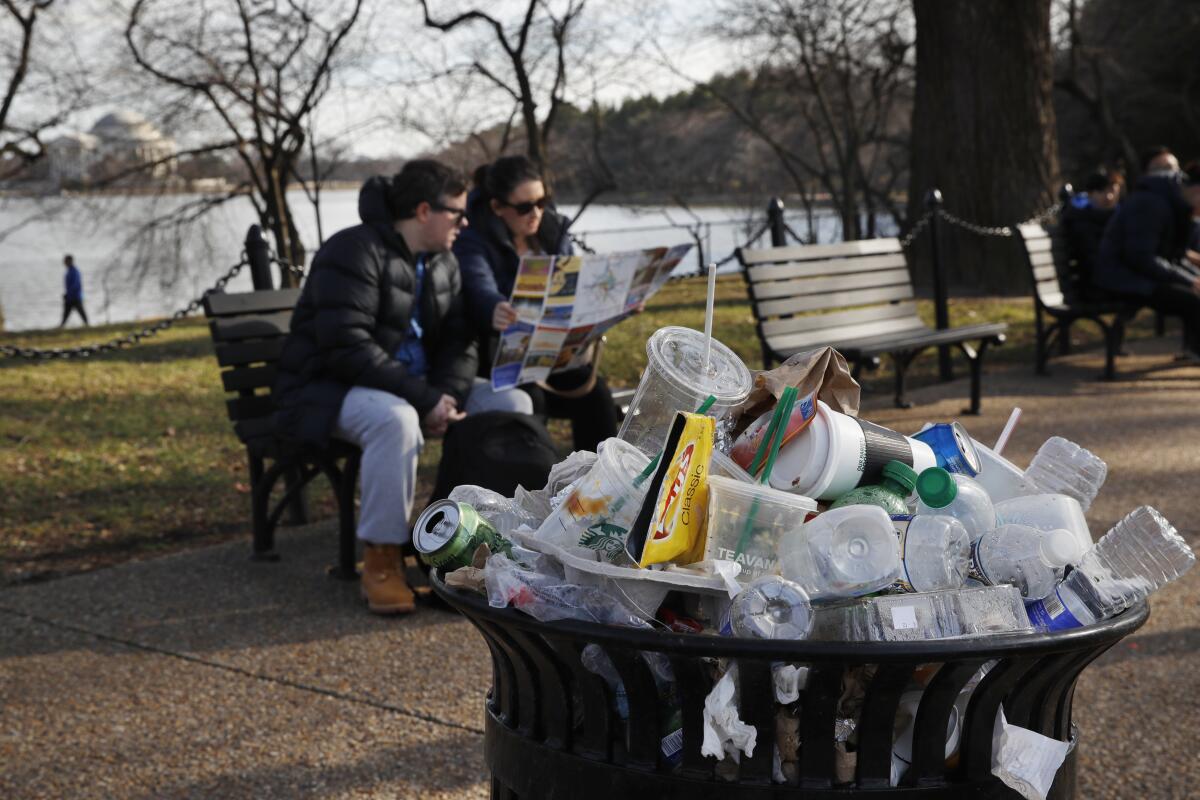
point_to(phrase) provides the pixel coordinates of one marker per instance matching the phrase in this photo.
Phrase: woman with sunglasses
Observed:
(510, 216)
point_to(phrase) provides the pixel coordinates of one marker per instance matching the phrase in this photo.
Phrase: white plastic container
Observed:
(1048, 512)
(831, 456)
(844, 552)
(746, 522)
(1000, 477)
(675, 380)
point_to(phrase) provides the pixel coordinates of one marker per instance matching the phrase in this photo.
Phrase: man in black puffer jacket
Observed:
(380, 354)
(1143, 255)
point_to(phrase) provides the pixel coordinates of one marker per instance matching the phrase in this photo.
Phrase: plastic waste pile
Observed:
(762, 506)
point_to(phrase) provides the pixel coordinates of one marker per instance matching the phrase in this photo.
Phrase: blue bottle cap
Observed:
(953, 448)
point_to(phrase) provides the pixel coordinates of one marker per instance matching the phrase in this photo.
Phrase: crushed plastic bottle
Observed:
(769, 607)
(891, 493)
(503, 513)
(845, 552)
(954, 495)
(1029, 559)
(935, 552)
(1062, 467)
(1139, 555)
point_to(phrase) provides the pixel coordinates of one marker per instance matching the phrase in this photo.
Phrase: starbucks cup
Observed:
(675, 380)
(837, 452)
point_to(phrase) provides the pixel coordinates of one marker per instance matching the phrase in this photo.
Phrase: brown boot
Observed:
(383, 583)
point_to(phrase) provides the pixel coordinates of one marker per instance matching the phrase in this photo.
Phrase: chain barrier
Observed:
(997, 230)
(295, 271)
(88, 350)
(923, 223)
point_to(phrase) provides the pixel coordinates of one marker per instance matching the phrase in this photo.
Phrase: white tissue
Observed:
(1024, 760)
(724, 732)
(789, 680)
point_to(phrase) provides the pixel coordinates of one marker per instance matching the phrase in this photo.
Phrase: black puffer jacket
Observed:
(354, 313)
(1145, 239)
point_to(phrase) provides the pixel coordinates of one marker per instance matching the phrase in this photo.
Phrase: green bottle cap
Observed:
(936, 487)
(902, 474)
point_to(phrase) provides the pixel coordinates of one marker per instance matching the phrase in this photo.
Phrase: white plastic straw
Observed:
(1008, 429)
(708, 314)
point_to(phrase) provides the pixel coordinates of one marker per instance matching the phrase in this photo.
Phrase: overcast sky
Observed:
(373, 108)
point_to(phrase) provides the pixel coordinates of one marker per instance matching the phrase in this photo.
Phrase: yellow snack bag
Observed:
(670, 526)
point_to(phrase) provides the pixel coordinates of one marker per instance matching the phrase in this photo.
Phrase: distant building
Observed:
(119, 142)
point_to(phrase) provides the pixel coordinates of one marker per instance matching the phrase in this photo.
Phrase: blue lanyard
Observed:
(414, 324)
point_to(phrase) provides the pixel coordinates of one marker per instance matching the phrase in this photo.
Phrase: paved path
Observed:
(205, 675)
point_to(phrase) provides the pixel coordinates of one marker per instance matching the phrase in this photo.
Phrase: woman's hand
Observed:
(503, 315)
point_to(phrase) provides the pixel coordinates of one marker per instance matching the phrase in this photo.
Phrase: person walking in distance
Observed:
(72, 291)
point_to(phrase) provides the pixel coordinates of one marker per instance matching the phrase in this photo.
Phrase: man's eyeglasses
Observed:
(524, 208)
(459, 214)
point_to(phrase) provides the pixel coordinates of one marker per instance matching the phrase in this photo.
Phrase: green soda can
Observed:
(447, 534)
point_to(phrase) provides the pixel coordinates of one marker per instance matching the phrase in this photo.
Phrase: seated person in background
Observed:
(1143, 255)
(1083, 222)
(1193, 251)
(510, 218)
(380, 354)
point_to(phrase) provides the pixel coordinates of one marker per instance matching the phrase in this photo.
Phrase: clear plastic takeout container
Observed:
(746, 522)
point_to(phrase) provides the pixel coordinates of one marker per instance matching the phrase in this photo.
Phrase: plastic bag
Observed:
(545, 595)
(1024, 760)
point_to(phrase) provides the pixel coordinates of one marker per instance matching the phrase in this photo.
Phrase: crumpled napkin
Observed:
(724, 732)
(1024, 760)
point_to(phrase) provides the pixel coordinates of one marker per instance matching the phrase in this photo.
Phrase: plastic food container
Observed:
(746, 522)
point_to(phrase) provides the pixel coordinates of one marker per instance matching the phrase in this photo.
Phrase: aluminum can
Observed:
(447, 534)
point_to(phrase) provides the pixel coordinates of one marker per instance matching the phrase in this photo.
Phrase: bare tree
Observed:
(259, 69)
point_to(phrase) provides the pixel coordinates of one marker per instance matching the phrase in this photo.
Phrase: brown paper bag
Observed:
(823, 371)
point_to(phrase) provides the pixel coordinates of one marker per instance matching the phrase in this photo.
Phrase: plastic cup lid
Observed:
(678, 355)
(761, 493)
(936, 487)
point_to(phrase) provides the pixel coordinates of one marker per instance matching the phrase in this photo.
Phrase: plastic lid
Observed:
(760, 493)
(936, 487)
(1059, 547)
(677, 354)
(902, 474)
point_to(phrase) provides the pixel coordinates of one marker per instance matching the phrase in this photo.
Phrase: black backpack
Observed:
(497, 450)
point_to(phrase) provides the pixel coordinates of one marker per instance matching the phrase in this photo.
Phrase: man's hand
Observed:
(440, 416)
(1193, 257)
(503, 315)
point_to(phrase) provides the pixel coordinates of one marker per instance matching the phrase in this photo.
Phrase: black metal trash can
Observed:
(552, 731)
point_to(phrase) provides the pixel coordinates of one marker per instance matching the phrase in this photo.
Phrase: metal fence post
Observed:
(776, 223)
(933, 202)
(259, 256)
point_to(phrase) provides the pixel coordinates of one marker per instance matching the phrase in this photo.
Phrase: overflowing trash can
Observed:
(554, 730)
(754, 592)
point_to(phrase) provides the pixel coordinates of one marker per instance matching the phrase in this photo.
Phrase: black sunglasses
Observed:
(459, 214)
(524, 208)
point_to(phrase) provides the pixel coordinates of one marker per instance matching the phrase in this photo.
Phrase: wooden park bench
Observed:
(248, 331)
(857, 297)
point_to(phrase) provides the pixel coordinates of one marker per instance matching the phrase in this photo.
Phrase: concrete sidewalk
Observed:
(203, 674)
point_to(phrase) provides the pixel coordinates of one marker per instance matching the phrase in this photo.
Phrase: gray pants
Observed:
(388, 430)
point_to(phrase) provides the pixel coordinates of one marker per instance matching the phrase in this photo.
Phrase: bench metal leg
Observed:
(1160, 323)
(1044, 339)
(297, 511)
(900, 363)
(347, 539)
(975, 361)
(1114, 335)
(263, 547)
(1064, 338)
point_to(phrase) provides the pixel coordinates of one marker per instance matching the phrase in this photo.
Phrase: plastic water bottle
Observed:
(845, 552)
(769, 607)
(935, 552)
(1063, 467)
(957, 496)
(1029, 559)
(1142, 553)
(1048, 512)
(890, 494)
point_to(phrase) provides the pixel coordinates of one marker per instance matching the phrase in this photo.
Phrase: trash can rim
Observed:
(982, 647)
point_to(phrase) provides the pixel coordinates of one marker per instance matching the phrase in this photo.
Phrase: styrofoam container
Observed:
(746, 522)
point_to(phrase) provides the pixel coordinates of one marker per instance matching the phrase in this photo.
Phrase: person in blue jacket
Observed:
(1144, 254)
(72, 291)
(510, 216)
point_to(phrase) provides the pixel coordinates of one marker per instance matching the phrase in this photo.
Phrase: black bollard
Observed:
(259, 255)
(775, 222)
(933, 201)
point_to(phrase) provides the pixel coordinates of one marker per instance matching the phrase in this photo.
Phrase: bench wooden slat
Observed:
(1045, 272)
(220, 304)
(1052, 298)
(926, 337)
(863, 247)
(1045, 259)
(809, 269)
(1043, 245)
(844, 335)
(237, 354)
(855, 297)
(812, 286)
(248, 378)
(235, 329)
(242, 408)
(809, 322)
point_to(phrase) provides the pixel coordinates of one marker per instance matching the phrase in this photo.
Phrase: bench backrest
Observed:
(248, 331)
(1046, 257)
(817, 294)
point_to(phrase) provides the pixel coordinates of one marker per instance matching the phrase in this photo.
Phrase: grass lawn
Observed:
(129, 454)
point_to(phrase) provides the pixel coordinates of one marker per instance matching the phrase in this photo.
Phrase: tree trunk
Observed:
(983, 131)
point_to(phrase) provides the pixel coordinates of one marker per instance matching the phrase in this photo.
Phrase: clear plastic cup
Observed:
(675, 380)
(597, 513)
(746, 522)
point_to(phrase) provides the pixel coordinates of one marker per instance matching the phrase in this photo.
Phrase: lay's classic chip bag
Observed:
(670, 525)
